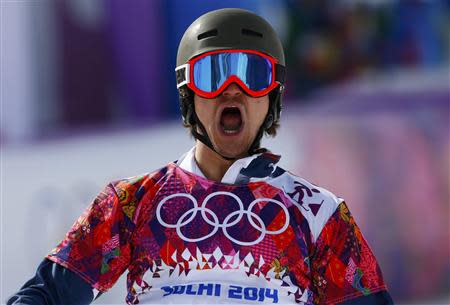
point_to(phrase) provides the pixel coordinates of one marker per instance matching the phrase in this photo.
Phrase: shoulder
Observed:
(141, 181)
(316, 203)
(131, 190)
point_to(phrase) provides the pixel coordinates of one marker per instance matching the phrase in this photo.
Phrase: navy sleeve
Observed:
(53, 285)
(380, 298)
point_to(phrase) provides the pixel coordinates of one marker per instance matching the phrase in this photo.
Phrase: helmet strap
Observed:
(273, 115)
(203, 137)
(268, 121)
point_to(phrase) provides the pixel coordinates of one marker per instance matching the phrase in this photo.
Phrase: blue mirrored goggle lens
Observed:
(210, 72)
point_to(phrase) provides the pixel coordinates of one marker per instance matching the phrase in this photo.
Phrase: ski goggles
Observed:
(210, 73)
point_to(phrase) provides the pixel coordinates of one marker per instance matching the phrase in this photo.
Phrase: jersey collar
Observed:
(255, 167)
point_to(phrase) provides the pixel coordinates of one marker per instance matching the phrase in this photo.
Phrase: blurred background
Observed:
(88, 95)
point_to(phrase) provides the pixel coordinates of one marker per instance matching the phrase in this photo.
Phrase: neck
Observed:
(210, 163)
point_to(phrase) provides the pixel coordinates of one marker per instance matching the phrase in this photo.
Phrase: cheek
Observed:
(259, 109)
(204, 110)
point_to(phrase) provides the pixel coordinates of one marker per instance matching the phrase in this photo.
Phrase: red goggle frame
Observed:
(210, 73)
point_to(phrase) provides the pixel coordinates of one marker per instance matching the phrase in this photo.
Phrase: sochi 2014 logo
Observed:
(209, 217)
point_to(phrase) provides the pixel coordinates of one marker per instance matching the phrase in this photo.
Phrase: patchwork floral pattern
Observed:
(121, 230)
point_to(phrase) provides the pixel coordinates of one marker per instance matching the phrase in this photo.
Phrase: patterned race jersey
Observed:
(268, 237)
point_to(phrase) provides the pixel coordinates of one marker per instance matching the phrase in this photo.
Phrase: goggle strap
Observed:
(280, 73)
(182, 75)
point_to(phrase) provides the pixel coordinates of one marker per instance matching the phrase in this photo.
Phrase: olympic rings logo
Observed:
(190, 214)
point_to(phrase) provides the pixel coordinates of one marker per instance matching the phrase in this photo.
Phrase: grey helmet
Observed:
(230, 28)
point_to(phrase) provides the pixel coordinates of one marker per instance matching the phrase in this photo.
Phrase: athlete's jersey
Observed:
(269, 237)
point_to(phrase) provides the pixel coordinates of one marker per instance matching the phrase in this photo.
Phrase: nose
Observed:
(232, 90)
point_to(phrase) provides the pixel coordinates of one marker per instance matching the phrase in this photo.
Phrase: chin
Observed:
(233, 153)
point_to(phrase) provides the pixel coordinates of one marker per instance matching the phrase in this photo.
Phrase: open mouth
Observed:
(231, 120)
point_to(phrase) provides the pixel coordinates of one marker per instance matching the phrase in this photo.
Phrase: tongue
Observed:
(231, 120)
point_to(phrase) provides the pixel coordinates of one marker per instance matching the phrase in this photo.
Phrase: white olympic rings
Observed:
(190, 214)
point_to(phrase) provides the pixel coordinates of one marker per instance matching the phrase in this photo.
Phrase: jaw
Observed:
(231, 145)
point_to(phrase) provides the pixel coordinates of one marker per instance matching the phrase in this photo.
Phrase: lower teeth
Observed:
(230, 131)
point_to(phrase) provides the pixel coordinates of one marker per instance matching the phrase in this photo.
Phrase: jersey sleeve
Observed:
(51, 285)
(97, 247)
(342, 264)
